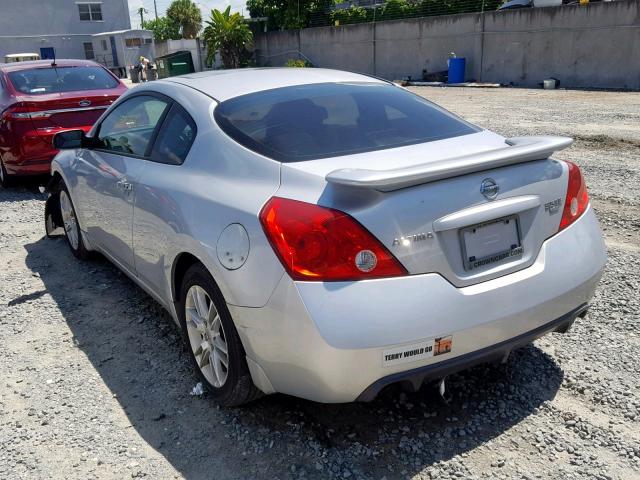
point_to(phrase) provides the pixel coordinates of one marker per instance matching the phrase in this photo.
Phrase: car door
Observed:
(157, 213)
(108, 172)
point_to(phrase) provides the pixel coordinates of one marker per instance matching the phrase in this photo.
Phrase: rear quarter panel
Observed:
(185, 208)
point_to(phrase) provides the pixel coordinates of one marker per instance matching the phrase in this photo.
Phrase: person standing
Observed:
(144, 67)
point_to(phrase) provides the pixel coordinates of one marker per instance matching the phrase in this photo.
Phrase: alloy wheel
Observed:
(69, 220)
(206, 336)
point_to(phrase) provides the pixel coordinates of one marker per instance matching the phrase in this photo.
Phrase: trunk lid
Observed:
(67, 110)
(446, 226)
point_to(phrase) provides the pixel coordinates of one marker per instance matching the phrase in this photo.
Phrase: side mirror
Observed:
(69, 139)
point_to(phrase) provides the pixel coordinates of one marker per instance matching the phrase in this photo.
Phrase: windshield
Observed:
(307, 122)
(39, 81)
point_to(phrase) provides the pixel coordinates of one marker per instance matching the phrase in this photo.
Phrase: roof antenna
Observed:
(53, 64)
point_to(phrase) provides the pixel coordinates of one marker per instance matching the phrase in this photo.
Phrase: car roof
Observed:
(13, 67)
(225, 84)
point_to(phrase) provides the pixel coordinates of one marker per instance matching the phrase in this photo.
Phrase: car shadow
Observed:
(24, 189)
(135, 347)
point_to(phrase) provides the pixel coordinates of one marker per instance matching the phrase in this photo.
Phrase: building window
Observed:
(90, 12)
(104, 45)
(88, 50)
(147, 40)
(132, 42)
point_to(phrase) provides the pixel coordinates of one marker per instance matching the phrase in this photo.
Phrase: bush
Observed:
(352, 15)
(292, 62)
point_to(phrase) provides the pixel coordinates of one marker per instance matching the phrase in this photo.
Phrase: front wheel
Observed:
(215, 348)
(71, 227)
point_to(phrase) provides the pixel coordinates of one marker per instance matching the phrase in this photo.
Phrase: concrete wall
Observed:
(28, 25)
(595, 45)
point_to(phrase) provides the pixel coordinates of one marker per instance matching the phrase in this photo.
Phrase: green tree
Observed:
(290, 14)
(163, 28)
(187, 15)
(351, 15)
(293, 14)
(228, 34)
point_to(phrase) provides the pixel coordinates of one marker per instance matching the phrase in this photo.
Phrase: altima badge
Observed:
(409, 239)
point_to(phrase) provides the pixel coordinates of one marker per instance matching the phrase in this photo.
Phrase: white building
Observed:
(40, 26)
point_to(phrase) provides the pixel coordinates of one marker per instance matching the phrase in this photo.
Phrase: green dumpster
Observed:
(176, 63)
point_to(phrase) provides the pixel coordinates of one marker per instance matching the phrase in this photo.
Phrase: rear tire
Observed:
(212, 340)
(72, 231)
(6, 180)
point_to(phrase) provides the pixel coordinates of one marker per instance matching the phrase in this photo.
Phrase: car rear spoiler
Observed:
(519, 150)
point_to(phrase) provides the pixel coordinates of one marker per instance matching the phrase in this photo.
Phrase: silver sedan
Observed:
(325, 234)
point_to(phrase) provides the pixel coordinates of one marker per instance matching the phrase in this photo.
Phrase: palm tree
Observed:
(186, 14)
(228, 34)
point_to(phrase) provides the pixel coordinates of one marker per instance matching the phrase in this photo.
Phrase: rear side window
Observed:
(176, 137)
(40, 81)
(129, 127)
(308, 122)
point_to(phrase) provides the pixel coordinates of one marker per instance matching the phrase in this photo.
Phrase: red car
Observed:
(38, 99)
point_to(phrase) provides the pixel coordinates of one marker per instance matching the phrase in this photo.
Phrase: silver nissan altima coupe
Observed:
(325, 234)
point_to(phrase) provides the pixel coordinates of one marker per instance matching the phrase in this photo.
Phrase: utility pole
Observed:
(155, 8)
(141, 12)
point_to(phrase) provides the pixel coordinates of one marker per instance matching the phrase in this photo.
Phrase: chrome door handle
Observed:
(124, 185)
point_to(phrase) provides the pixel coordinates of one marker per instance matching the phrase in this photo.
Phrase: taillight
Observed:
(17, 111)
(577, 197)
(323, 244)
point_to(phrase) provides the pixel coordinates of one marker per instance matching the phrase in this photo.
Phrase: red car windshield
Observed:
(40, 81)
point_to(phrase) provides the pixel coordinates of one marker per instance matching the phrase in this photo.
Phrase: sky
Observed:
(205, 7)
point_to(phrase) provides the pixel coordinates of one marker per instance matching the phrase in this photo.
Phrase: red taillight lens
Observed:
(17, 111)
(318, 243)
(577, 197)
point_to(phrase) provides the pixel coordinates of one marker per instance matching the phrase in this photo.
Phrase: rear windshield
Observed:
(307, 122)
(39, 81)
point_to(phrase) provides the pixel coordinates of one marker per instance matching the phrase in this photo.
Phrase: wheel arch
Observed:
(181, 264)
(52, 213)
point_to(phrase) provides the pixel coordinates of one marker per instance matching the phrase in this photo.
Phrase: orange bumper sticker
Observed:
(442, 345)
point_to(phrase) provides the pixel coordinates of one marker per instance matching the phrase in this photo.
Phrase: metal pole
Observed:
(481, 45)
(155, 8)
(375, 7)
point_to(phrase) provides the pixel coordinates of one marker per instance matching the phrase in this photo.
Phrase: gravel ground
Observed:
(95, 382)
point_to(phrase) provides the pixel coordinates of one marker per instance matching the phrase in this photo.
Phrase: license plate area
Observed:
(491, 242)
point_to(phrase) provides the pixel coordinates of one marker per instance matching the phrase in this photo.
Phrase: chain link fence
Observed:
(297, 14)
(361, 11)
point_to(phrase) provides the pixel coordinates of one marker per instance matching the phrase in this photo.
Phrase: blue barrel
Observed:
(456, 70)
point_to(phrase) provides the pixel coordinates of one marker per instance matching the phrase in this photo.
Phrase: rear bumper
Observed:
(31, 155)
(328, 341)
(418, 376)
(33, 152)
(31, 166)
